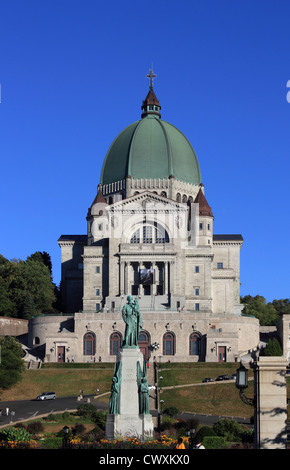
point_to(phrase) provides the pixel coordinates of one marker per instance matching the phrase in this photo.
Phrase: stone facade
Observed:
(271, 403)
(13, 326)
(283, 329)
(181, 336)
(152, 238)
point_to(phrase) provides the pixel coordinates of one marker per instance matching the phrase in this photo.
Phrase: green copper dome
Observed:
(151, 148)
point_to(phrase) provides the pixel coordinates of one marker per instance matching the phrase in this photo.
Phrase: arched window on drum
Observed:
(115, 343)
(89, 344)
(194, 344)
(149, 233)
(169, 344)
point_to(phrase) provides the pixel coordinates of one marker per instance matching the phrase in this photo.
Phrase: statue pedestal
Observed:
(139, 426)
(129, 423)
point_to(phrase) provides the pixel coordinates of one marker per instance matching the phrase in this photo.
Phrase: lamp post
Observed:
(160, 410)
(65, 442)
(242, 384)
(191, 442)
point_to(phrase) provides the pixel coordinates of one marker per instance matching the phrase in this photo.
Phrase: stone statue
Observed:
(132, 317)
(143, 389)
(144, 397)
(114, 406)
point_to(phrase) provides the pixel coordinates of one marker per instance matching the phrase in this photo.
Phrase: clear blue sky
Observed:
(73, 75)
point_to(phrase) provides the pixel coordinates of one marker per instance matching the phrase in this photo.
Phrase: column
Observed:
(165, 277)
(171, 284)
(122, 269)
(271, 407)
(155, 278)
(138, 273)
(126, 278)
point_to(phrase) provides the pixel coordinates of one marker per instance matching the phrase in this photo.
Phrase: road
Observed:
(30, 409)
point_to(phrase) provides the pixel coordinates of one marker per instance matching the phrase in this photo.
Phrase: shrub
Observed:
(248, 435)
(78, 429)
(15, 434)
(20, 425)
(95, 434)
(186, 424)
(203, 432)
(87, 410)
(171, 411)
(35, 427)
(65, 415)
(167, 423)
(100, 417)
(52, 443)
(229, 429)
(169, 432)
(213, 442)
(52, 417)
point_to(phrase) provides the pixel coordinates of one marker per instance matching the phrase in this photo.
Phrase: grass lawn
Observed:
(218, 398)
(215, 398)
(64, 382)
(221, 399)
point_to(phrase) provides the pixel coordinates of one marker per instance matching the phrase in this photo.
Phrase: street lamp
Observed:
(242, 384)
(65, 442)
(242, 378)
(160, 411)
(191, 438)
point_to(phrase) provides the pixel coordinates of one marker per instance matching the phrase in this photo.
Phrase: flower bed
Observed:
(163, 442)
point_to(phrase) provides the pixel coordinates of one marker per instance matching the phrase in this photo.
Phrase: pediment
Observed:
(147, 201)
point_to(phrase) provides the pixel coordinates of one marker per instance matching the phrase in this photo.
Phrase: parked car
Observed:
(207, 379)
(219, 378)
(223, 377)
(46, 396)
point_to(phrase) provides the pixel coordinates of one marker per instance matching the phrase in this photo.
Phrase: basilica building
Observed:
(150, 235)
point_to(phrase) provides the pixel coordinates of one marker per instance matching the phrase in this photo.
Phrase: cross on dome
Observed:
(151, 75)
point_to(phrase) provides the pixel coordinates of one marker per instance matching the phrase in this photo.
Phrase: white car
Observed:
(46, 396)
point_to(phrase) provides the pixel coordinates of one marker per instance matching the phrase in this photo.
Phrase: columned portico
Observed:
(145, 277)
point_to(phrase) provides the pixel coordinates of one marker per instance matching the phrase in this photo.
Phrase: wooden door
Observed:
(222, 354)
(60, 354)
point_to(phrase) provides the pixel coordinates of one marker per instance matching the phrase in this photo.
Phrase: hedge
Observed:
(213, 442)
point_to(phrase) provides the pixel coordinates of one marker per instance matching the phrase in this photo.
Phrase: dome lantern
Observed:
(151, 105)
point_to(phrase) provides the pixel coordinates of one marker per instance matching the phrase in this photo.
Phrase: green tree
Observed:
(37, 283)
(29, 309)
(11, 364)
(204, 431)
(42, 257)
(259, 308)
(7, 306)
(26, 287)
(273, 348)
(231, 430)
(8, 303)
(282, 306)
